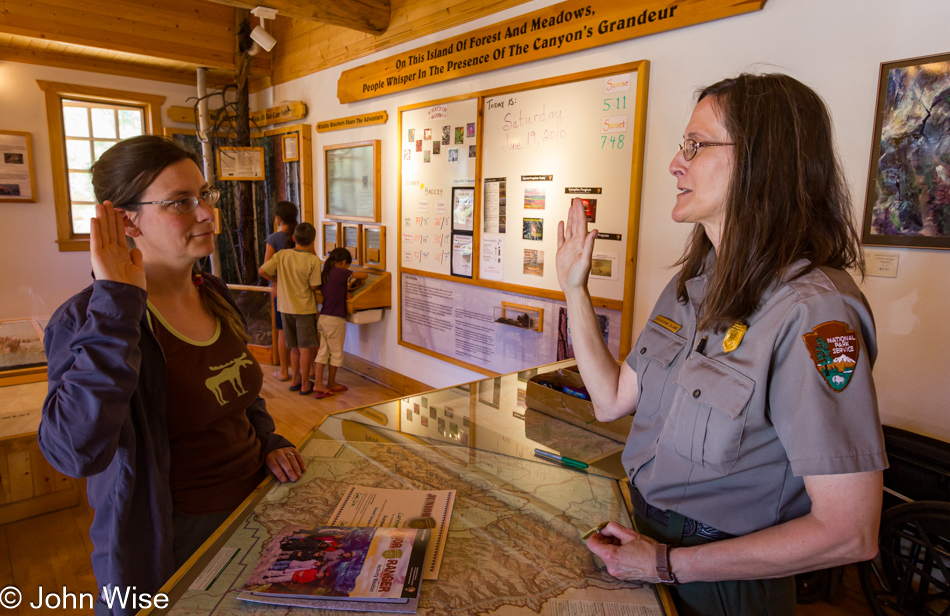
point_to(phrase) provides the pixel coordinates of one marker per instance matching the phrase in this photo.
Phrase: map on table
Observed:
(514, 545)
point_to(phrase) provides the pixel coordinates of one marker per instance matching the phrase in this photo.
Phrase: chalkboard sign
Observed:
(527, 150)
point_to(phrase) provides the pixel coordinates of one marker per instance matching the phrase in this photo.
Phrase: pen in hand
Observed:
(569, 462)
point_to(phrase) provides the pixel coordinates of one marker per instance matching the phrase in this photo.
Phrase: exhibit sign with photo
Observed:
(239, 164)
(908, 197)
(16, 168)
(479, 327)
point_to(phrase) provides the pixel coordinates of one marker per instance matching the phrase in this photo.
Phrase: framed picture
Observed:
(289, 147)
(352, 181)
(17, 184)
(374, 246)
(330, 234)
(351, 240)
(908, 197)
(462, 257)
(236, 164)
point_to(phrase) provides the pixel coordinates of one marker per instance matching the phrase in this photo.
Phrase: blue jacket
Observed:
(104, 419)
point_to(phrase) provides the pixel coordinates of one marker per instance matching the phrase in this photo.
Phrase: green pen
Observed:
(569, 462)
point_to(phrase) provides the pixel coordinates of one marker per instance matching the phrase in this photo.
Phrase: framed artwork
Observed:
(352, 181)
(908, 197)
(289, 148)
(330, 234)
(238, 164)
(351, 240)
(17, 184)
(374, 246)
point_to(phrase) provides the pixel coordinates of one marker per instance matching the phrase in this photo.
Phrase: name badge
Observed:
(669, 324)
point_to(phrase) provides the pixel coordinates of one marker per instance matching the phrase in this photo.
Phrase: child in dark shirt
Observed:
(331, 324)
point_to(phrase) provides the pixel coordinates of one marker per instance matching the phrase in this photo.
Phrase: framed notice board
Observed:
(524, 151)
(352, 181)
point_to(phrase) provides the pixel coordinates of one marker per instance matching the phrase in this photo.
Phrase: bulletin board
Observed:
(435, 144)
(526, 151)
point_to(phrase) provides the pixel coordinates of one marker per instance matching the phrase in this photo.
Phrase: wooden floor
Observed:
(53, 550)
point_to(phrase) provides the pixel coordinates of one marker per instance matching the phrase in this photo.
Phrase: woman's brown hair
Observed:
(125, 171)
(787, 199)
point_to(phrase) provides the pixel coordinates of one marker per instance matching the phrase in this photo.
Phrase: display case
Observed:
(351, 240)
(517, 315)
(374, 247)
(256, 305)
(365, 304)
(22, 358)
(330, 234)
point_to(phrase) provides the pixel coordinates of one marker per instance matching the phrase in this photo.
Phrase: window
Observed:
(84, 122)
(91, 129)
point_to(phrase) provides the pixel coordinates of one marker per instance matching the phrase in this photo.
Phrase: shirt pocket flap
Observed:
(715, 384)
(659, 344)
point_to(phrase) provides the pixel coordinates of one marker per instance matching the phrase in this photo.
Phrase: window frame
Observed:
(55, 93)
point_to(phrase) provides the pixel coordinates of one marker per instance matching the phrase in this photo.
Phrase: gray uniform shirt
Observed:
(726, 437)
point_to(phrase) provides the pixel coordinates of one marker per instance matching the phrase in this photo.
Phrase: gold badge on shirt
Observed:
(734, 337)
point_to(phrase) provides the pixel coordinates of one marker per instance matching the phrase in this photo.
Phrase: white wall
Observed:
(836, 47)
(34, 265)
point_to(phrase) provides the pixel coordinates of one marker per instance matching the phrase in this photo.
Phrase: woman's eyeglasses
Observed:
(691, 148)
(187, 204)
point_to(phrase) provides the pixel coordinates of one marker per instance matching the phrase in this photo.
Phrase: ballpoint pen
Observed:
(569, 462)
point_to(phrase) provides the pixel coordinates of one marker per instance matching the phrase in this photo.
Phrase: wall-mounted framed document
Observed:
(374, 246)
(17, 184)
(352, 181)
(330, 234)
(236, 164)
(351, 240)
(289, 150)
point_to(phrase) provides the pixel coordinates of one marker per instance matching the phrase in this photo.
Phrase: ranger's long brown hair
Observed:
(787, 200)
(122, 174)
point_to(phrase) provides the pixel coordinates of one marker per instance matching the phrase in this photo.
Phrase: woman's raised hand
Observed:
(575, 248)
(111, 257)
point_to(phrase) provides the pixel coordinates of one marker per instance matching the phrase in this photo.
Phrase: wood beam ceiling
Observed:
(369, 16)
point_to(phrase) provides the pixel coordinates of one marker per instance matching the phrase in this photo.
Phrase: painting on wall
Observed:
(908, 197)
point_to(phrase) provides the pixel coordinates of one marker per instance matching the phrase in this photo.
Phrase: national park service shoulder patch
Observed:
(835, 350)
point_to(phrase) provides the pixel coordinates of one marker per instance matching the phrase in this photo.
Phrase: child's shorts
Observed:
(332, 331)
(300, 330)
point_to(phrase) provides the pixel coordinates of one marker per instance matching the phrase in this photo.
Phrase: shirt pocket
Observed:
(707, 417)
(656, 349)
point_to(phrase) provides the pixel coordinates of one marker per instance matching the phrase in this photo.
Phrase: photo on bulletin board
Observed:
(289, 148)
(908, 196)
(533, 262)
(239, 164)
(17, 184)
(604, 266)
(463, 209)
(462, 245)
(352, 181)
(590, 209)
(533, 229)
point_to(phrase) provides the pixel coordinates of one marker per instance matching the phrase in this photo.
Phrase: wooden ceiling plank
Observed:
(369, 16)
(116, 33)
(185, 15)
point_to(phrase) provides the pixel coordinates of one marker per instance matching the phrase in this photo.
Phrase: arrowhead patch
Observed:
(835, 351)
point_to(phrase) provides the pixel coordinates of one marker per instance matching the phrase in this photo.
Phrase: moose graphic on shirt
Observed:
(230, 373)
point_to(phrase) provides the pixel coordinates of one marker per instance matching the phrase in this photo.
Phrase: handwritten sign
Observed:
(564, 28)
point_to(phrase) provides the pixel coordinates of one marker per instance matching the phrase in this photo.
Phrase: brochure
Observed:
(379, 507)
(361, 569)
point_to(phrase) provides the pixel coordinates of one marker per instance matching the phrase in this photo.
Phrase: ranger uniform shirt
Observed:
(724, 433)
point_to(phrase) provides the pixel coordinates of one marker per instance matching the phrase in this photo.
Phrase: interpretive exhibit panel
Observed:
(438, 149)
(485, 213)
(465, 323)
(543, 147)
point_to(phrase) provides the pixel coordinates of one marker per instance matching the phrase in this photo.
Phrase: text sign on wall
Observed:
(366, 119)
(563, 28)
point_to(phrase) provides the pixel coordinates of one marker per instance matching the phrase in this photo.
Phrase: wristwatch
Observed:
(663, 568)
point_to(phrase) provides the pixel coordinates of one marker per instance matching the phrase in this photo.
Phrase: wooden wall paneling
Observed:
(5, 490)
(44, 477)
(21, 476)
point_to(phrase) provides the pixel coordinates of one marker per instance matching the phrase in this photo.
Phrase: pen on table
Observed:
(570, 462)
